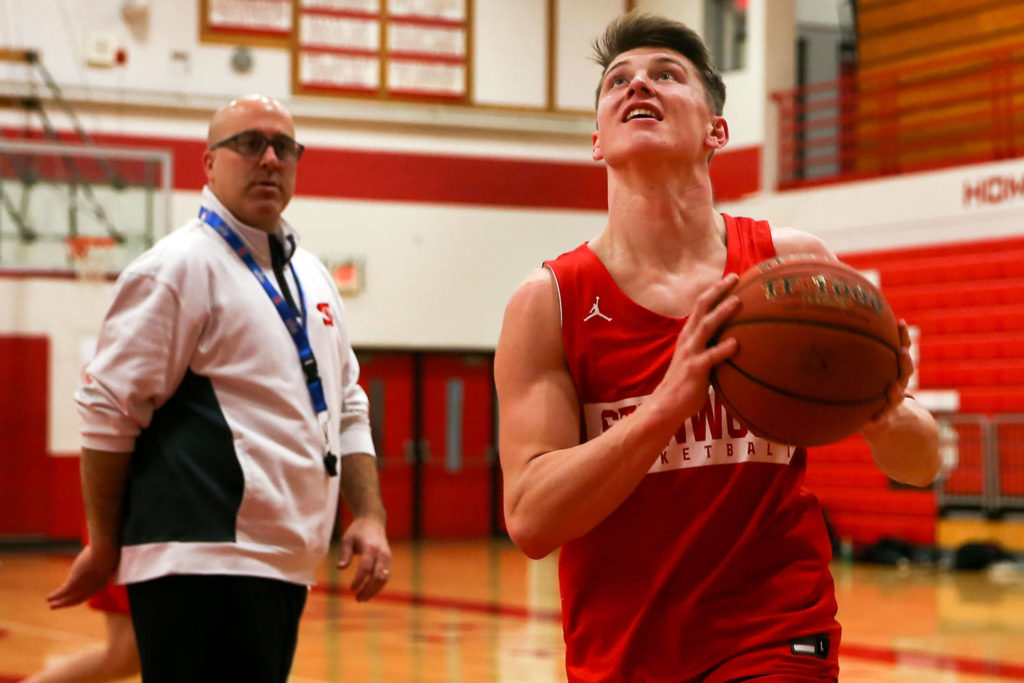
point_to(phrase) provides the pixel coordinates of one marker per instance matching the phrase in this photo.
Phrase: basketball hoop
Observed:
(91, 256)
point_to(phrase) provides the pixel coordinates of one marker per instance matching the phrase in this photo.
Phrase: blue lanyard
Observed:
(295, 328)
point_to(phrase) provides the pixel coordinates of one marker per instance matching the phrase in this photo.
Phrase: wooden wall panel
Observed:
(936, 82)
(891, 34)
(879, 16)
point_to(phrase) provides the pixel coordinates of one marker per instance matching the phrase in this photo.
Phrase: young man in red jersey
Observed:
(689, 551)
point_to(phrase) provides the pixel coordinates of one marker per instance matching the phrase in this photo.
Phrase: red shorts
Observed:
(112, 598)
(805, 660)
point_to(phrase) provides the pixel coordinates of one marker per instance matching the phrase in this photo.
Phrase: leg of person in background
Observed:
(117, 658)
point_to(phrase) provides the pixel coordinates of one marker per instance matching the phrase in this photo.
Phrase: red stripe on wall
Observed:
(454, 180)
(444, 179)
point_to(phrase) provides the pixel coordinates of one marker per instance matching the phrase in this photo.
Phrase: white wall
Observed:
(511, 49)
(68, 313)
(166, 57)
(578, 23)
(437, 275)
(690, 12)
(901, 211)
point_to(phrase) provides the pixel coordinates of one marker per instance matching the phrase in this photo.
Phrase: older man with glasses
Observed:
(221, 417)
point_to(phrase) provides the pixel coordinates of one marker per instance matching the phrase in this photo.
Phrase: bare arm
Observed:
(904, 438)
(103, 482)
(556, 488)
(366, 536)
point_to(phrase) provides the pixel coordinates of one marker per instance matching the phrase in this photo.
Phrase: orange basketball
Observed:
(818, 347)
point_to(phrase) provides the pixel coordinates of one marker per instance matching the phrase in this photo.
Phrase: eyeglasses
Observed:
(252, 144)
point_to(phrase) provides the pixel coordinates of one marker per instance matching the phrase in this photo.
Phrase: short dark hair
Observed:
(633, 30)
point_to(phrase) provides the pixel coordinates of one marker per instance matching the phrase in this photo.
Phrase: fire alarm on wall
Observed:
(101, 49)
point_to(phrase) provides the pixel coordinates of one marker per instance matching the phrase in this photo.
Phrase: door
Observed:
(458, 453)
(388, 380)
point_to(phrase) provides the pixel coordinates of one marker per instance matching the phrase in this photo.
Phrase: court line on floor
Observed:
(43, 632)
(966, 665)
(474, 606)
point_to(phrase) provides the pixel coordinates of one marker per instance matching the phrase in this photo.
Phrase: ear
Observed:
(597, 154)
(718, 133)
(208, 165)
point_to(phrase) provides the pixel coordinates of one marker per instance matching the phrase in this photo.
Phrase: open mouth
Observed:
(641, 113)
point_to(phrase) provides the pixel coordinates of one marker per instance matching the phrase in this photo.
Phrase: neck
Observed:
(269, 224)
(661, 218)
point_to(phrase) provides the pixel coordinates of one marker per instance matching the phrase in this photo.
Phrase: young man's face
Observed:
(652, 102)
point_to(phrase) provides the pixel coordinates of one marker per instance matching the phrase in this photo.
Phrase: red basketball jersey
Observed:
(719, 552)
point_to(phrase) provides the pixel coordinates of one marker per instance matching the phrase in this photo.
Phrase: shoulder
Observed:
(533, 313)
(792, 242)
(531, 333)
(535, 297)
(171, 272)
(175, 251)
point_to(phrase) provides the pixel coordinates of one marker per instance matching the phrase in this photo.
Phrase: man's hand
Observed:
(366, 537)
(896, 391)
(904, 437)
(688, 375)
(89, 573)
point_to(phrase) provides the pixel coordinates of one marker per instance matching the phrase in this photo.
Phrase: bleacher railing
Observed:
(942, 113)
(989, 472)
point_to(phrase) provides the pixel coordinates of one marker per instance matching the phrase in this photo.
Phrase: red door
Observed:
(24, 386)
(387, 379)
(458, 430)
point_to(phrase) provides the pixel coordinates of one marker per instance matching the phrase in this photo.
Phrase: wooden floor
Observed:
(480, 611)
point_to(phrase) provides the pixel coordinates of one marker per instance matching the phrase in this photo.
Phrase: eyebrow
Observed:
(658, 60)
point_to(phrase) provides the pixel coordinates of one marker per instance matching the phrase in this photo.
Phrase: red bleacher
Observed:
(967, 300)
(910, 299)
(969, 346)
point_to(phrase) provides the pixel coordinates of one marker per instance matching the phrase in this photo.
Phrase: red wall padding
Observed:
(40, 495)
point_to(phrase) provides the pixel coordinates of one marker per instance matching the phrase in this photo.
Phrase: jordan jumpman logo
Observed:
(595, 311)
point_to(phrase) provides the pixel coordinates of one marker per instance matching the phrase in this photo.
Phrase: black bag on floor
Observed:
(975, 556)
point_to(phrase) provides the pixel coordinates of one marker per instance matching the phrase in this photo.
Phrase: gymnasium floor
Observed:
(468, 611)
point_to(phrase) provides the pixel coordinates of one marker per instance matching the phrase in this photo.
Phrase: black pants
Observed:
(216, 628)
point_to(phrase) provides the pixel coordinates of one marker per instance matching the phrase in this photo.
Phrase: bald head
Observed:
(255, 188)
(232, 117)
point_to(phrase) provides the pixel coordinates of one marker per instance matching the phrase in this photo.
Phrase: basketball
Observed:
(818, 348)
